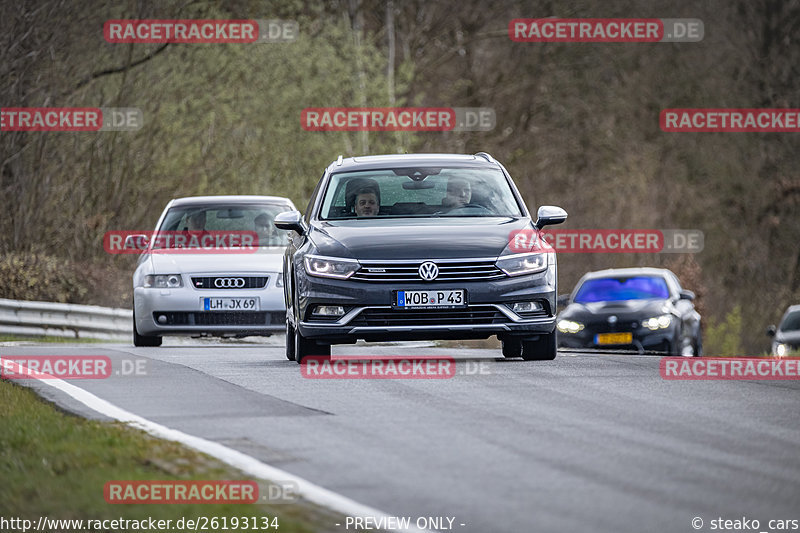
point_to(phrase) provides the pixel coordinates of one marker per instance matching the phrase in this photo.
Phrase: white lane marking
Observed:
(249, 465)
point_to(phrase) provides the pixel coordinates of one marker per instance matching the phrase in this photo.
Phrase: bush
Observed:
(52, 279)
(724, 338)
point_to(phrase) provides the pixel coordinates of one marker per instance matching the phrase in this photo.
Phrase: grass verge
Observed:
(55, 464)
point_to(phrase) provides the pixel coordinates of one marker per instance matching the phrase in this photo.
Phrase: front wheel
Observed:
(542, 349)
(289, 341)
(144, 340)
(304, 347)
(511, 347)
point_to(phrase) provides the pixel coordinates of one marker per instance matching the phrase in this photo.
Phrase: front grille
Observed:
(250, 282)
(220, 318)
(620, 326)
(476, 314)
(449, 270)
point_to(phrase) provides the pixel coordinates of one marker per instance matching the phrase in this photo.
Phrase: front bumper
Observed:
(643, 339)
(184, 314)
(371, 316)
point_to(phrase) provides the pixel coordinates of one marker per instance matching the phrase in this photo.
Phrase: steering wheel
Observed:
(482, 208)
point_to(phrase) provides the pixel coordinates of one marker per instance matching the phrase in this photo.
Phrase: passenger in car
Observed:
(264, 228)
(459, 193)
(196, 221)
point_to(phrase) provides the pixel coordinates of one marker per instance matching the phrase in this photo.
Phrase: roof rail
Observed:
(339, 161)
(486, 156)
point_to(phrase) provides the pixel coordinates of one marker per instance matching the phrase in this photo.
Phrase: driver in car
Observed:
(366, 202)
(459, 193)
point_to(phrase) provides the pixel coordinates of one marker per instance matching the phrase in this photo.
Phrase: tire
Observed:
(289, 341)
(698, 345)
(543, 349)
(512, 347)
(303, 347)
(144, 340)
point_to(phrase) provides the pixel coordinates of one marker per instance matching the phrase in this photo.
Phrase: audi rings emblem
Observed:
(229, 283)
(428, 271)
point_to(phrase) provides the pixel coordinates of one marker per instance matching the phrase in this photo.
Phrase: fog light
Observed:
(328, 310)
(162, 319)
(526, 307)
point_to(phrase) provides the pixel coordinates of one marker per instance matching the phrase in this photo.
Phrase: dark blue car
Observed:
(645, 309)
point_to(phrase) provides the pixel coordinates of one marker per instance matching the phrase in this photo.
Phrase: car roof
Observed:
(792, 309)
(229, 199)
(626, 272)
(372, 162)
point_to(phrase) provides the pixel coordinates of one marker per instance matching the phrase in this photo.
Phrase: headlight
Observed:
(331, 267)
(568, 326)
(781, 349)
(657, 322)
(163, 281)
(516, 265)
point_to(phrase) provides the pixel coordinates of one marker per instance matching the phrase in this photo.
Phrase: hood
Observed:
(436, 238)
(180, 263)
(624, 310)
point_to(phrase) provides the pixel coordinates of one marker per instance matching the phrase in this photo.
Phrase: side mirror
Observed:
(686, 295)
(562, 300)
(290, 221)
(772, 330)
(548, 215)
(136, 242)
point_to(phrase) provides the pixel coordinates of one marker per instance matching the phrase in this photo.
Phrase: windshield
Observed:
(419, 192)
(791, 322)
(256, 218)
(616, 289)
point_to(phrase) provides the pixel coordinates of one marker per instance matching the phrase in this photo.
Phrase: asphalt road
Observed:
(587, 442)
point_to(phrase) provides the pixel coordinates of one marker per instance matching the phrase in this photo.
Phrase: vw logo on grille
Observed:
(612, 319)
(229, 283)
(428, 271)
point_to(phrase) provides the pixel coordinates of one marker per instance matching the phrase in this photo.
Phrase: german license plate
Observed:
(436, 299)
(230, 304)
(613, 338)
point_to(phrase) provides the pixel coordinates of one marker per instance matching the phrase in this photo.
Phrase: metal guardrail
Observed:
(20, 317)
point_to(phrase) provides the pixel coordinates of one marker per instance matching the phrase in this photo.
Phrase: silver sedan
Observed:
(212, 267)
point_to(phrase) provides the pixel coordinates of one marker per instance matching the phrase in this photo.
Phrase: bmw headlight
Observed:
(331, 267)
(781, 349)
(569, 326)
(657, 322)
(163, 281)
(519, 264)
